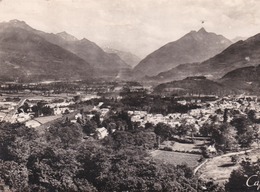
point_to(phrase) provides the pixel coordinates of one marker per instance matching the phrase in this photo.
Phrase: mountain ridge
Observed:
(195, 46)
(26, 56)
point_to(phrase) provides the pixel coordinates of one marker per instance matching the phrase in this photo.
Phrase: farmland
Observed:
(184, 147)
(176, 158)
(46, 119)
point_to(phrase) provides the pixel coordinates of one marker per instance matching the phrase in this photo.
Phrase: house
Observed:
(211, 149)
(32, 124)
(101, 132)
(62, 110)
(78, 116)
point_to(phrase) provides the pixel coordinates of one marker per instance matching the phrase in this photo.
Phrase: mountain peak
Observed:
(202, 30)
(18, 23)
(66, 36)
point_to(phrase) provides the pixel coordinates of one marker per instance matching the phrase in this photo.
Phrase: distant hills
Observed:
(246, 79)
(100, 63)
(195, 46)
(194, 85)
(26, 56)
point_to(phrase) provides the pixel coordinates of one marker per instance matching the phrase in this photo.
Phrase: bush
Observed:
(167, 149)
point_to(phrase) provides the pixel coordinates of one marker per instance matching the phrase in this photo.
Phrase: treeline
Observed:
(156, 104)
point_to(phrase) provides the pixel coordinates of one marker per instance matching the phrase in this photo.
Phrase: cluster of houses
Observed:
(198, 117)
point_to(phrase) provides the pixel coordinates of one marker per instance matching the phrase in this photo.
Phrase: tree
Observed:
(64, 135)
(89, 127)
(245, 130)
(246, 138)
(225, 116)
(96, 118)
(164, 131)
(234, 159)
(206, 129)
(47, 110)
(224, 137)
(182, 130)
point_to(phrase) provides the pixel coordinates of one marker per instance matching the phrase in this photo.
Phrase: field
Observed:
(43, 120)
(176, 158)
(185, 147)
(216, 170)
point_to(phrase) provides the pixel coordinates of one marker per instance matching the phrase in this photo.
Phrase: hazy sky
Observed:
(140, 26)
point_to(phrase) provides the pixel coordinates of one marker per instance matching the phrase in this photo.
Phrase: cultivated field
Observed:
(185, 147)
(176, 158)
(43, 120)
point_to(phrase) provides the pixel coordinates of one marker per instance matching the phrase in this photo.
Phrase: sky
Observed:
(138, 26)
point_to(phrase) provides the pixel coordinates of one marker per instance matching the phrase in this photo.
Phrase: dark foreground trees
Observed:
(61, 160)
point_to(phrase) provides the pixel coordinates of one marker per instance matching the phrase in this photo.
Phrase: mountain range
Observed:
(81, 58)
(104, 64)
(27, 54)
(193, 47)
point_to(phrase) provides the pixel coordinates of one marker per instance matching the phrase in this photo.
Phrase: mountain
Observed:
(194, 85)
(193, 47)
(238, 55)
(26, 56)
(129, 58)
(103, 64)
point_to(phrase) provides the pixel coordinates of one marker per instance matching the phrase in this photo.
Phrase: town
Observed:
(185, 120)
